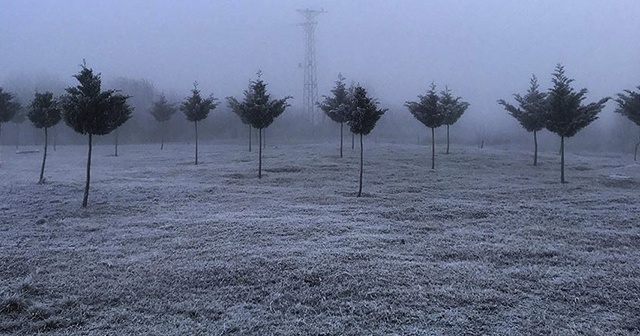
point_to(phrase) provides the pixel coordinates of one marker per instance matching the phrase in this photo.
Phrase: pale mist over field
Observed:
(482, 50)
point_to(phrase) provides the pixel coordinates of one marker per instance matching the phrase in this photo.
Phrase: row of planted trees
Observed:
(89, 110)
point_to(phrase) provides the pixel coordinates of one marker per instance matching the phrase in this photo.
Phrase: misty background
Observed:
(482, 50)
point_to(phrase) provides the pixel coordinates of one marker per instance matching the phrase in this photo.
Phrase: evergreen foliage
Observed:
(258, 109)
(195, 108)
(8, 107)
(453, 108)
(531, 111)
(629, 106)
(44, 113)
(565, 114)
(162, 111)
(337, 106)
(363, 116)
(89, 110)
(429, 112)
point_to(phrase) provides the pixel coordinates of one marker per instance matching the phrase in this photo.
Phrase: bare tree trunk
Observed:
(250, 136)
(264, 138)
(635, 152)
(85, 199)
(55, 137)
(260, 153)
(116, 153)
(162, 135)
(361, 165)
(17, 136)
(447, 139)
(44, 157)
(341, 132)
(535, 151)
(0, 144)
(196, 123)
(353, 139)
(433, 148)
(562, 160)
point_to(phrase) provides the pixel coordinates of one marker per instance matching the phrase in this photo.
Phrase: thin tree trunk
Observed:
(353, 139)
(55, 137)
(116, 153)
(196, 123)
(250, 136)
(264, 139)
(341, 127)
(447, 139)
(535, 151)
(162, 135)
(260, 153)
(635, 152)
(85, 199)
(0, 144)
(44, 157)
(17, 136)
(433, 148)
(562, 160)
(361, 165)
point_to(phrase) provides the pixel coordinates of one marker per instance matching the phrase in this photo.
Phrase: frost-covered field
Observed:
(485, 244)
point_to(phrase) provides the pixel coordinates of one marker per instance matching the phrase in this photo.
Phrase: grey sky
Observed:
(484, 50)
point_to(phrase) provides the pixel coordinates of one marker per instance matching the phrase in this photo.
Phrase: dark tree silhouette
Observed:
(258, 109)
(18, 119)
(336, 107)
(427, 110)
(531, 113)
(8, 107)
(44, 113)
(566, 115)
(364, 114)
(453, 108)
(89, 110)
(629, 106)
(162, 111)
(195, 108)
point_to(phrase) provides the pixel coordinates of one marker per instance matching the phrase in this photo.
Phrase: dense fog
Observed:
(482, 50)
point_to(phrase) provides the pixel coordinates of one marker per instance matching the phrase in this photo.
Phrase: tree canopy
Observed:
(532, 107)
(427, 110)
(257, 108)
(196, 108)
(336, 107)
(452, 107)
(629, 105)
(8, 106)
(162, 110)
(44, 110)
(364, 112)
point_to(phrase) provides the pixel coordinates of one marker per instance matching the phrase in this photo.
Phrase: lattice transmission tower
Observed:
(310, 84)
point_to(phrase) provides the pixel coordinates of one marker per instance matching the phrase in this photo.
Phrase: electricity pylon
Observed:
(310, 84)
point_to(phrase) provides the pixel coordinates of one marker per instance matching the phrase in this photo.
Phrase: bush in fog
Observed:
(89, 110)
(453, 108)
(427, 110)
(629, 106)
(531, 113)
(258, 109)
(195, 108)
(8, 107)
(565, 114)
(363, 116)
(337, 106)
(44, 113)
(162, 111)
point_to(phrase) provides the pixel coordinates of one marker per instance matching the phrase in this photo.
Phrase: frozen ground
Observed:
(485, 244)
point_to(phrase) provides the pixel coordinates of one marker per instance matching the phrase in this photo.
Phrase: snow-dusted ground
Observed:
(485, 244)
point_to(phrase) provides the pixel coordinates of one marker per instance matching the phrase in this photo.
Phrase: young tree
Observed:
(364, 114)
(89, 110)
(427, 110)
(629, 106)
(259, 109)
(195, 108)
(162, 111)
(336, 107)
(453, 108)
(531, 113)
(566, 115)
(44, 113)
(8, 107)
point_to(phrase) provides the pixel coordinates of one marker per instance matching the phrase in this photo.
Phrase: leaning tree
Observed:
(8, 107)
(531, 113)
(162, 111)
(453, 108)
(259, 110)
(427, 110)
(44, 113)
(565, 114)
(196, 108)
(336, 107)
(89, 110)
(364, 114)
(629, 106)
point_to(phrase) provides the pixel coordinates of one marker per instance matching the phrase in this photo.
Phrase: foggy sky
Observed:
(483, 50)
